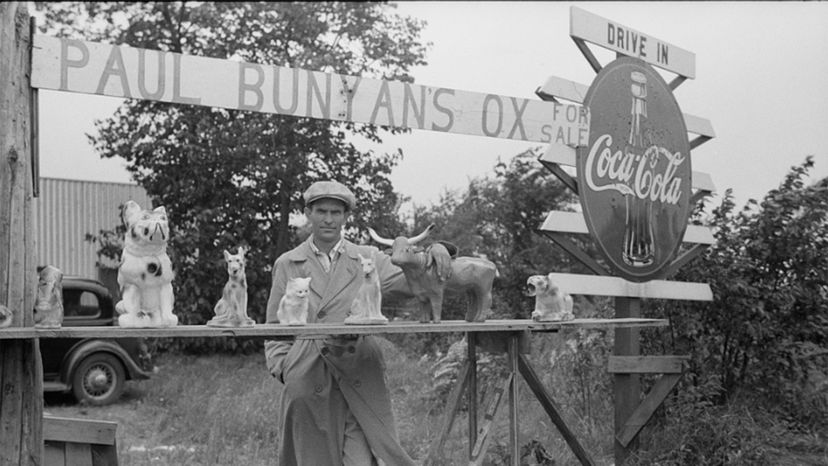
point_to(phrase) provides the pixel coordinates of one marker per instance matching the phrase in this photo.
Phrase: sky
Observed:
(760, 80)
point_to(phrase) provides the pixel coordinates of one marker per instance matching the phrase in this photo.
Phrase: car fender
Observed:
(87, 347)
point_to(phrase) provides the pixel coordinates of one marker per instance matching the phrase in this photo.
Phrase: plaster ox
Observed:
(472, 275)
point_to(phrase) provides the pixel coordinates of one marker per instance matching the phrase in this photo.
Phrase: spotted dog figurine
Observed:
(145, 274)
(231, 309)
(551, 303)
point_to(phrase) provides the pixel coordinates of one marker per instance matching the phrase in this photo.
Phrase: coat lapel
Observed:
(345, 270)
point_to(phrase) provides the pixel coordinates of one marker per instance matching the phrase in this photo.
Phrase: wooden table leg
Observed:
(471, 340)
(514, 426)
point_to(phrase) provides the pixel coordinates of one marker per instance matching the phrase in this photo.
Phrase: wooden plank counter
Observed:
(276, 331)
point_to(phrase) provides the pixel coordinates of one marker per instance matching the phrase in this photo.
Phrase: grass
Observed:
(224, 410)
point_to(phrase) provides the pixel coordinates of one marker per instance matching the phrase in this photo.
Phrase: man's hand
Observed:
(438, 255)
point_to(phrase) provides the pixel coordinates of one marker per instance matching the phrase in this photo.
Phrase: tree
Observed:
(767, 328)
(227, 177)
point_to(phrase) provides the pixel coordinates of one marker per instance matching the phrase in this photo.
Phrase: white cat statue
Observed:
(366, 309)
(293, 307)
(145, 274)
(231, 309)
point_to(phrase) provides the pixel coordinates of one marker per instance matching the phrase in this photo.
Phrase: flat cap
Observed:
(331, 190)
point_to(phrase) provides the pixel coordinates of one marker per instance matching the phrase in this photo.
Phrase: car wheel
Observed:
(99, 379)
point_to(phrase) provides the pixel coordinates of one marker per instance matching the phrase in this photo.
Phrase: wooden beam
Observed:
(559, 173)
(317, 331)
(552, 410)
(82, 66)
(471, 357)
(556, 88)
(636, 421)
(685, 258)
(587, 53)
(615, 286)
(586, 26)
(483, 437)
(646, 364)
(569, 246)
(573, 222)
(452, 406)
(65, 429)
(566, 155)
(21, 376)
(626, 387)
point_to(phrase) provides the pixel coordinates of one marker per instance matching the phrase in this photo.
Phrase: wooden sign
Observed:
(635, 175)
(121, 71)
(627, 41)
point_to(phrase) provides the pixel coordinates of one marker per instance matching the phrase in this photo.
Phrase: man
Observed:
(336, 409)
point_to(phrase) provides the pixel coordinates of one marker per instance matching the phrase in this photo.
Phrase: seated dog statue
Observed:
(551, 304)
(48, 309)
(367, 306)
(145, 274)
(231, 309)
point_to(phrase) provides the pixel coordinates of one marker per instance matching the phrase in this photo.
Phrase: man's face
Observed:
(327, 216)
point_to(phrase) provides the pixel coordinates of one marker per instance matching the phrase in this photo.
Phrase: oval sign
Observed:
(634, 175)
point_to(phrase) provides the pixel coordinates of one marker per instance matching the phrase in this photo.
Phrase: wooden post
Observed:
(21, 372)
(626, 387)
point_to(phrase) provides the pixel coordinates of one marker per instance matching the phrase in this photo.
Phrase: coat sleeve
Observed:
(276, 350)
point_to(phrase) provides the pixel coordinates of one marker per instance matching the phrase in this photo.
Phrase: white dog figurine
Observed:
(145, 274)
(551, 304)
(367, 306)
(231, 309)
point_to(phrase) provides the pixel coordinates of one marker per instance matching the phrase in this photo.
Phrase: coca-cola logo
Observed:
(635, 171)
(634, 174)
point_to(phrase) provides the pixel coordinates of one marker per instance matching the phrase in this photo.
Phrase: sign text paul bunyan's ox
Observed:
(120, 71)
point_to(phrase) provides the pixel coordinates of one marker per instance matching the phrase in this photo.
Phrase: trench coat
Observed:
(324, 379)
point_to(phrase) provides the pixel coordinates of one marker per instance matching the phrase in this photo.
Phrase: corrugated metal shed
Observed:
(67, 210)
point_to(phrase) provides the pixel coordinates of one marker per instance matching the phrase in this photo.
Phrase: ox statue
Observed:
(471, 275)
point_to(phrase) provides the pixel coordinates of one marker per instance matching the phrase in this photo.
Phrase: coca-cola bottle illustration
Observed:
(639, 243)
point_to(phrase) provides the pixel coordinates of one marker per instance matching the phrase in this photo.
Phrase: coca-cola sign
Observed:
(635, 172)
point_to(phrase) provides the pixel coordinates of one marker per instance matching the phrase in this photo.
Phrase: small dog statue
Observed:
(293, 307)
(48, 309)
(551, 304)
(366, 308)
(231, 309)
(145, 274)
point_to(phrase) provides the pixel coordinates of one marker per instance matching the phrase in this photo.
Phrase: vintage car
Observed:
(95, 370)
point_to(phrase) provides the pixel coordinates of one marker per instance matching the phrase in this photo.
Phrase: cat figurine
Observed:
(293, 307)
(145, 274)
(366, 308)
(231, 309)
(48, 309)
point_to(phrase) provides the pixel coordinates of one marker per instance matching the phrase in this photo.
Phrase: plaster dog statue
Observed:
(471, 275)
(367, 306)
(231, 309)
(48, 309)
(551, 303)
(145, 274)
